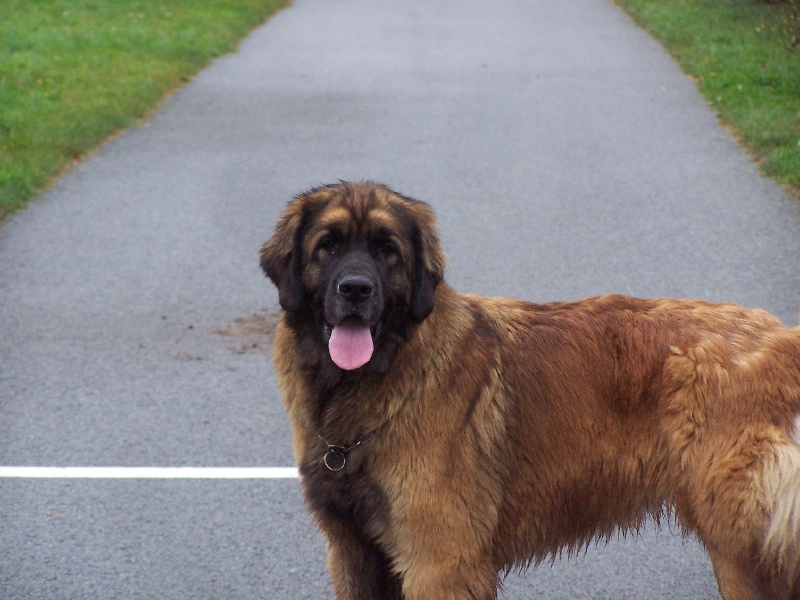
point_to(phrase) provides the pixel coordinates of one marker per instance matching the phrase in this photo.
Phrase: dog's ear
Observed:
(281, 255)
(429, 260)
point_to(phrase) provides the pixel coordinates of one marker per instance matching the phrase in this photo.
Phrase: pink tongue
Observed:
(350, 345)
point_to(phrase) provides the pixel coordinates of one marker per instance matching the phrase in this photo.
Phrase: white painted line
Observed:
(148, 473)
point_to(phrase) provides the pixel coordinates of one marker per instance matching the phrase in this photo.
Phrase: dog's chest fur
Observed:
(350, 497)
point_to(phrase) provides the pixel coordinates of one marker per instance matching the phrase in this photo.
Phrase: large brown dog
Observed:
(444, 439)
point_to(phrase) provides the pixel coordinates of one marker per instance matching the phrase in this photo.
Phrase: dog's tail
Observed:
(781, 479)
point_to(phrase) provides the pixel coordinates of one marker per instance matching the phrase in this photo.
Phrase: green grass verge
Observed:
(72, 72)
(739, 53)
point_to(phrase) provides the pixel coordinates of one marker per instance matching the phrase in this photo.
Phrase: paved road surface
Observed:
(566, 156)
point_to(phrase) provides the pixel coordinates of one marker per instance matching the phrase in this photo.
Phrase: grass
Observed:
(72, 72)
(746, 61)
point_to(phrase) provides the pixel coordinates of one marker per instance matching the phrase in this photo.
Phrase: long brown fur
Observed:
(497, 433)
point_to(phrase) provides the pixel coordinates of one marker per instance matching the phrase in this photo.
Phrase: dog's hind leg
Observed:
(736, 580)
(746, 580)
(781, 480)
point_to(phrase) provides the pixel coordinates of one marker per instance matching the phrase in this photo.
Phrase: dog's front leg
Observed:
(359, 568)
(442, 554)
(452, 580)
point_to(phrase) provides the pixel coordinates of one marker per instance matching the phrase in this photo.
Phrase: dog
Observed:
(445, 439)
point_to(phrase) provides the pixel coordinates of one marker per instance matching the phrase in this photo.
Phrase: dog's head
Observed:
(356, 265)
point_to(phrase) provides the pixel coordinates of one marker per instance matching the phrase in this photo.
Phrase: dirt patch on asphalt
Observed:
(250, 334)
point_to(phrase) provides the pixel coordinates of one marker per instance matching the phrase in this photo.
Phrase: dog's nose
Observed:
(355, 288)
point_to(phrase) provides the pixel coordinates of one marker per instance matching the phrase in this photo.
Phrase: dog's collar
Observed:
(335, 459)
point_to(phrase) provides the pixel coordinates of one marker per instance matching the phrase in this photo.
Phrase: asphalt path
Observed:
(565, 154)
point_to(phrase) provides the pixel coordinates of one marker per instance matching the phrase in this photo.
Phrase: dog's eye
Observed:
(387, 248)
(328, 244)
